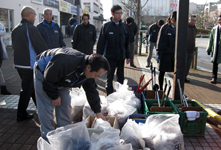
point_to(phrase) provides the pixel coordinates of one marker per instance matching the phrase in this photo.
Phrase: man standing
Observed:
(165, 47)
(133, 31)
(50, 31)
(84, 36)
(214, 49)
(190, 44)
(113, 43)
(27, 44)
(153, 31)
(56, 70)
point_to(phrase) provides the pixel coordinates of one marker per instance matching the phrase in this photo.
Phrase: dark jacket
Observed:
(113, 41)
(84, 38)
(23, 53)
(153, 31)
(63, 67)
(191, 38)
(51, 34)
(166, 47)
(133, 31)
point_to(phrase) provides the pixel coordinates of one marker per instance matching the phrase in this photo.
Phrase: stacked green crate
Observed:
(192, 128)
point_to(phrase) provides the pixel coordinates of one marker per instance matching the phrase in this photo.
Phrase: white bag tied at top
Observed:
(70, 137)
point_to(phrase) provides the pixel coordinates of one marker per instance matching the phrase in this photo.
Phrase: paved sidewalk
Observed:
(24, 135)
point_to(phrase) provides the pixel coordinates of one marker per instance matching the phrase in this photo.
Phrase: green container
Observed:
(153, 102)
(192, 128)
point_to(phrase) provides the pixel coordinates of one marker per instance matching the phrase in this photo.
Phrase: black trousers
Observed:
(161, 76)
(27, 91)
(215, 64)
(119, 64)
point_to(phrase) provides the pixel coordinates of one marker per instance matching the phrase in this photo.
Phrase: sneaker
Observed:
(133, 66)
(213, 81)
(187, 80)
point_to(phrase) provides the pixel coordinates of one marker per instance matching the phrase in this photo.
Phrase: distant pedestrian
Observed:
(113, 43)
(56, 70)
(3, 56)
(50, 31)
(190, 44)
(84, 36)
(27, 44)
(214, 49)
(165, 47)
(72, 23)
(133, 31)
(153, 31)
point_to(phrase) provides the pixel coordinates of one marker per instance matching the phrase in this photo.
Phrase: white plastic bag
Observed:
(44, 145)
(107, 139)
(99, 123)
(131, 133)
(122, 147)
(162, 132)
(73, 136)
(78, 99)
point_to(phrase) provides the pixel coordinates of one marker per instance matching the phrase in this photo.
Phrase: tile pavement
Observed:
(24, 135)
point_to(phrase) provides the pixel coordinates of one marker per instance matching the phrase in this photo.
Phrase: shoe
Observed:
(147, 66)
(187, 80)
(29, 116)
(213, 81)
(4, 90)
(133, 66)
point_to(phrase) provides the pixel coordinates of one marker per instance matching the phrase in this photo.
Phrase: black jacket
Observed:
(51, 34)
(166, 47)
(84, 38)
(63, 67)
(20, 44)
(133, 31)
(113, 41)
(191, 38)
(153, 32)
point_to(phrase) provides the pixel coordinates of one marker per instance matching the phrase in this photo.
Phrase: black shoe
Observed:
(133, 66)
(29, 116)
(213, 81)
(187, 80)
(147, 66)
(4, 90)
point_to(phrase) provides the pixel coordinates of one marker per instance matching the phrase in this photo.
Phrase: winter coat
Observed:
(133, 31)
(51, 34)
(213, 43)
(63, 67)
(153, 31)
(191, 38)
(84, 38)
(166, 47)
(25, 51)
(113, 41)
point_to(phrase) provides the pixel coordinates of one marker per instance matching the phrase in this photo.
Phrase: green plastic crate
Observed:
(192, 128)
(153, 102)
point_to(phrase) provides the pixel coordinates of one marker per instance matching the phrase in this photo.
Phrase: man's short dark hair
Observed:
(85, 14)
(97, 61)
(130, 20)
(161, 22)
(219, 16)
(194, 16)
(72, 20)
(115, 8)
(173, 15)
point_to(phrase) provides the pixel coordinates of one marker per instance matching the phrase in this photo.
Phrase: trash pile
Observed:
(118, 132)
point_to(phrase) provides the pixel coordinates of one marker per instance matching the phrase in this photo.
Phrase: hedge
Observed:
(203, 31)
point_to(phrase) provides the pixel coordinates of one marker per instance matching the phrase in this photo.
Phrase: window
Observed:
(6, 19)
(96, 8)
(87, 7)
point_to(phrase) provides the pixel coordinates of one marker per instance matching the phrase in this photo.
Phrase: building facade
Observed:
(10, 13)
(95, 10)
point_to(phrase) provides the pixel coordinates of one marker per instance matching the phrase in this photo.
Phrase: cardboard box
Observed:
(113, 122)
(150, 94)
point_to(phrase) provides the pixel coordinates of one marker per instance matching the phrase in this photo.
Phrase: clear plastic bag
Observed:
(122, 147)
(73, 136)
(131, 133)
(162, 132)
(44, 145)
(78, 100)
(99, 123)
(107, 139)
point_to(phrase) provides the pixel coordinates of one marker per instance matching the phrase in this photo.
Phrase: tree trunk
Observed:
(138, 25)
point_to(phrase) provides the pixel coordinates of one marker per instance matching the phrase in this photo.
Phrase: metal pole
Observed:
(180, 46)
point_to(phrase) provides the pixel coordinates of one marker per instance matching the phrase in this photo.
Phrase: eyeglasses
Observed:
(119, 13)
(33, 14)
